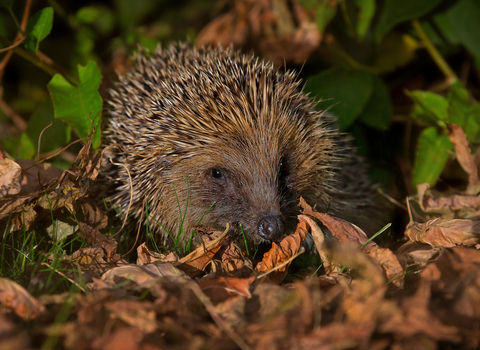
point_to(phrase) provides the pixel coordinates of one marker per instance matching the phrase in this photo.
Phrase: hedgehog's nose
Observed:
(271, 227)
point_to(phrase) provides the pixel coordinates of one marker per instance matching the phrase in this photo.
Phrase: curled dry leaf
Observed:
(223, 288)
(146, 256)
(465, 157)
(445, 232)
(194, 263)
(458, 205)
(15, 297)
(318, 238)
(418, 254)
(343, 230)
(279, 254)
(348, 232)
(234, 262)
(10, 176)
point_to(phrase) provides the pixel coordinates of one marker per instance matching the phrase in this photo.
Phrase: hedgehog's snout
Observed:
(271, 227)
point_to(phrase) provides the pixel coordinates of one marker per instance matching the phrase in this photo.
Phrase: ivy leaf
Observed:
(464, 23)
(462, 112)
(433, 107)
(78, 106)
(431, 156)
(394, 13)
(38, 27)
(364, 15)
(343, 92)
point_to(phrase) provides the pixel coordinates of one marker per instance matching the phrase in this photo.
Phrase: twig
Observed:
(14, 45)
(10, 113)
(436, 56)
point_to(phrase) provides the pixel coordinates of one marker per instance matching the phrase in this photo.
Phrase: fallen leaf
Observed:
(15, 297)
(457, 205)
(194, 263)
(464, 156)
(234, 262)
(138, 314)
(142, 275)
(279, 254)
(220, 289)
(10, 176)
(319, 239)
(445, 232)
(343, 230)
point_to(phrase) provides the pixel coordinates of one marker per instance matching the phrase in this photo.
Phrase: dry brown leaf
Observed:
(234, 262)
(464, 156)
(10, 177)
(368, 287)
(15, 297)
(318, 238)
(281, 253)
(413, 316)
(456, 277)
(120, 339)
(146, 256)
(445, 232)
(142, 275)
(138, 314)
(390, 264)
(458, 205)
(417, 254)
(59, 193)
(336, 335)
(343, 230)
(194, 263)
(223, 288)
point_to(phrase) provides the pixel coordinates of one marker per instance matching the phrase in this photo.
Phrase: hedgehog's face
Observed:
(250, 192)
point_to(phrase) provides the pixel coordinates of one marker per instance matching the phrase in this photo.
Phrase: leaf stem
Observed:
(436, 56)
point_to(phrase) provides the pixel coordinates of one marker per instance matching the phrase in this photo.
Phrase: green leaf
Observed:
(364, 15)
(101, 17)
(432, 105)
(6, 3)
(38, 27)
(79, 105)
(431, 156)
(394, 12)
(343, 92)
(462, 112)
(378, 111)
(465, 24)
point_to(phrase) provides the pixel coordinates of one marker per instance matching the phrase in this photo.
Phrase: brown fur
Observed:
(184, 111)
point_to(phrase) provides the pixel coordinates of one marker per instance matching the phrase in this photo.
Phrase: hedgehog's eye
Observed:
(217, 174)
(283, 174)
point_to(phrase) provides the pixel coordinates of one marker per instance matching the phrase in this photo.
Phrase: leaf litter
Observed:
(423, 292)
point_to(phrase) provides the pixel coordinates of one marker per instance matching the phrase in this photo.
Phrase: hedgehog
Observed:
(213, 136)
